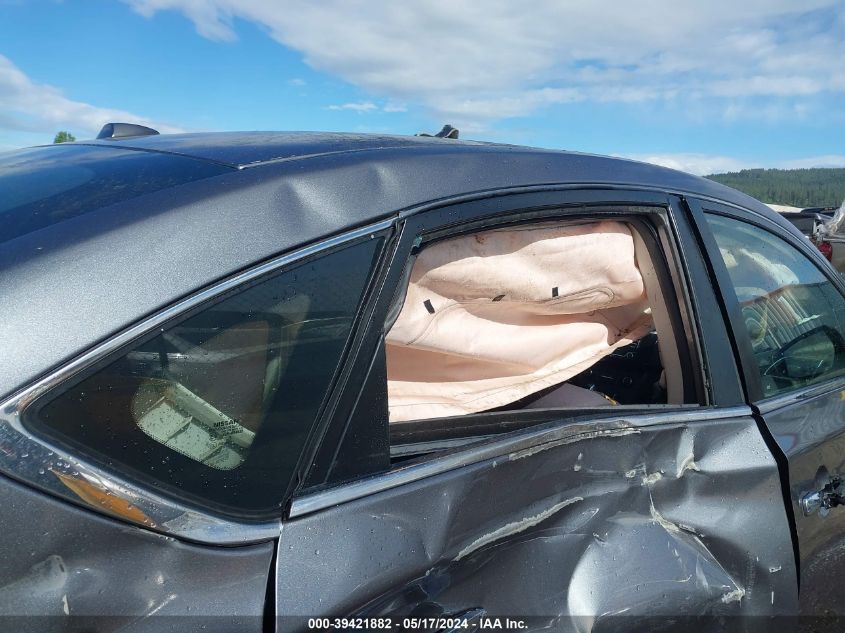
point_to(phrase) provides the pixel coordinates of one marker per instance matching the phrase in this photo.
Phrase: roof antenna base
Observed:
(446, 132)
(125, 130)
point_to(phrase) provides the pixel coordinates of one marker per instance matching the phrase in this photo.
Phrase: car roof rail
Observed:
(125, 130)
(446, 132)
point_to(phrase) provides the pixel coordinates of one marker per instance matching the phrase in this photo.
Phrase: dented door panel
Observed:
(65, 568)
(811, 434)
(613, 518)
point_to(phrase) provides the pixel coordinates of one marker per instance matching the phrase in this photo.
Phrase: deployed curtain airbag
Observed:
(496, 316)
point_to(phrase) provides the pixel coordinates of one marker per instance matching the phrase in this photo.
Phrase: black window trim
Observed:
(742, 344)
(164, 514)
(450, 217)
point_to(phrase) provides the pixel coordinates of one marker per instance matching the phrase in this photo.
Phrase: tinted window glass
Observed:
(45, 185)
(219, 405)
(793, 314)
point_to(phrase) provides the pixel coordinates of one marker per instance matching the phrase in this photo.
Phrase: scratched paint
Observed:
(70, 564)
(653, 532)
(514, 528)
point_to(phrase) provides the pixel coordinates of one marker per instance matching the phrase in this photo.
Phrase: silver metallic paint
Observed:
(610, 520)
(65, 568)
(27, 457)
(811, 433)
(511, 443)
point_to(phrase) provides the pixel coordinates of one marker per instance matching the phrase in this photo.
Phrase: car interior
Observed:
(555, 315)
(789, 308)
(205, 387)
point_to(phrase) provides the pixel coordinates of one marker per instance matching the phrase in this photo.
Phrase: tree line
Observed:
(819, 187)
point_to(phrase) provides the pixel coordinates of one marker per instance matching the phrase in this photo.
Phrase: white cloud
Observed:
(518, 104)
(31, 112)
(828, 160)
(495, 59)
(369, 106)
(699, 164)
(771, 85)
(361, 106)
(704, 164)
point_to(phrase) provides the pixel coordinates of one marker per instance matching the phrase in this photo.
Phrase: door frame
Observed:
(711, 361)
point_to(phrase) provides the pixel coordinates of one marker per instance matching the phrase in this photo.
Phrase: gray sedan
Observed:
(296, 381)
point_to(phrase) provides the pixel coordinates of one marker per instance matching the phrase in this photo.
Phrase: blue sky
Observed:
(701, 86)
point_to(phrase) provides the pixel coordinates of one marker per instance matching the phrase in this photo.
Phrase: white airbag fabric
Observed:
(493, 317)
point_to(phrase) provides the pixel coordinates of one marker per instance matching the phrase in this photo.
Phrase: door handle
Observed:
(823, 500)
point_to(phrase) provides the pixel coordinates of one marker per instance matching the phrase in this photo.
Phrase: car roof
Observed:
(80, 278)
(245, 149)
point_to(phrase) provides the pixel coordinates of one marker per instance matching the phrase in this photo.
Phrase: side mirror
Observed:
(811, 354)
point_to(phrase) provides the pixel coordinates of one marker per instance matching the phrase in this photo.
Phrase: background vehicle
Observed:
(823, 227)
(210, 339)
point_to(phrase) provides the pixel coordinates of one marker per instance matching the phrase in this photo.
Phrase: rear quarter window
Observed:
(217, 407)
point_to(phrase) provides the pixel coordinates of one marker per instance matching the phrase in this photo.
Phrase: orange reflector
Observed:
(98, 498)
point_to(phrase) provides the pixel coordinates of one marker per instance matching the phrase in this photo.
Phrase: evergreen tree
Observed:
(64, 137)
(820, 187)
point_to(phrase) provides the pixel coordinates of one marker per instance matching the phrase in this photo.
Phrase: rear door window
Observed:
(532, 316)
(499, 325)
(219, 405)
(510, 322)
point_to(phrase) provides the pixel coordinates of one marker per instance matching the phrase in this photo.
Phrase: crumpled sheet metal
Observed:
(68, 569)
(606, 522)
